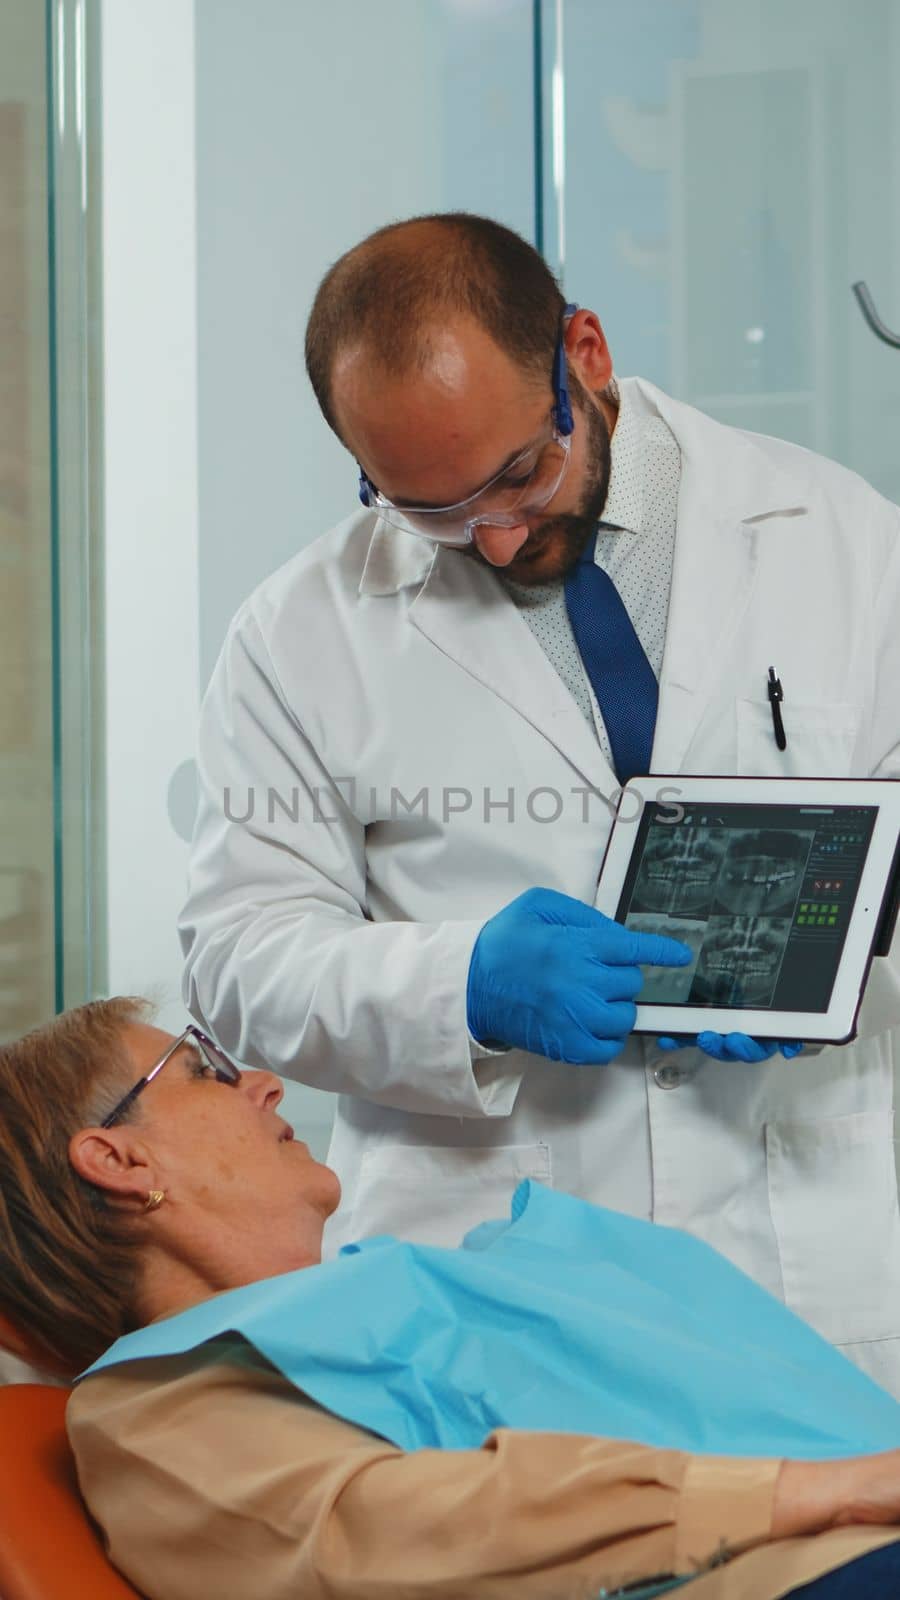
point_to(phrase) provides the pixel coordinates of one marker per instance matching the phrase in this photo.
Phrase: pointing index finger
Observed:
(618, 946)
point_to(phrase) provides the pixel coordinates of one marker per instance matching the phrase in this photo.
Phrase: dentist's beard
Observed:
(554, 547)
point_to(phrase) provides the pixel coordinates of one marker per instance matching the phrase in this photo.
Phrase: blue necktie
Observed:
(621, 676)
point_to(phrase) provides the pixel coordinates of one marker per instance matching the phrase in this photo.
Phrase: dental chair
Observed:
(49, 1547)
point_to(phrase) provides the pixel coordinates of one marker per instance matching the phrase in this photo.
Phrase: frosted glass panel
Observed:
(731, 167)
(27, 971)
(747, 314)
(50, 943)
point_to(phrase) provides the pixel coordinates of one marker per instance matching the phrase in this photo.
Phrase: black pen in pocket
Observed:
(776, 695)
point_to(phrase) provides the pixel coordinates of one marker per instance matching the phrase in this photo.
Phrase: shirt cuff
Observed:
(725, 1505)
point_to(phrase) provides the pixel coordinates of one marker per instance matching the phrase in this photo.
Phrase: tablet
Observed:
(783, 889)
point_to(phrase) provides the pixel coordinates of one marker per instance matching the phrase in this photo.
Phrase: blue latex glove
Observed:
(552, 975)
(733, 1046)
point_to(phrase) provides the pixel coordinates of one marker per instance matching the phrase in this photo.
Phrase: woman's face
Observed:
(242, 1195)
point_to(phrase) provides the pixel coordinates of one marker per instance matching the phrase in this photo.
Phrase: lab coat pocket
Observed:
(433, 1194)
(820, 740)
(833, 1197)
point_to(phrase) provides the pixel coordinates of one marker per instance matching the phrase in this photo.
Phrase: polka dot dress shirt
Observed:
(638, 553)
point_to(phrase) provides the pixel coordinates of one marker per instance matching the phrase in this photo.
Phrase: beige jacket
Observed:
(214, 1479)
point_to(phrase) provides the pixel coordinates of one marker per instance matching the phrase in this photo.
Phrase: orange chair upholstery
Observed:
(49, 1548)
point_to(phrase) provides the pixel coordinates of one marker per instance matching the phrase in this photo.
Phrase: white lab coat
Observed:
(329, 934)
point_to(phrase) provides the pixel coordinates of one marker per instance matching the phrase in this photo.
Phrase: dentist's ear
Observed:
(115, 1160)
(587, 351)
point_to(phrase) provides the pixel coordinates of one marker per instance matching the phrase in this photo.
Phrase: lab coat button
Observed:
(670, 1076)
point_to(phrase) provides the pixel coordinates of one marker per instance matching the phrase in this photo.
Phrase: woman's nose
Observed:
(499, 545)
(264, 1088)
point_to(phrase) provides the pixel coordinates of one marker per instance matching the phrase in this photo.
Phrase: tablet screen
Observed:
(763, 894)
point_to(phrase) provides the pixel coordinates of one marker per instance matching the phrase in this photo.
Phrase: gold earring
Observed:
(154, 1199)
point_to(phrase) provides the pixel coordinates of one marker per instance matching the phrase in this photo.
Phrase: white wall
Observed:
(150, 478)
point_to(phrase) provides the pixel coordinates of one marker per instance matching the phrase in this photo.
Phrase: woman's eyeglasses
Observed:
(210, 1055)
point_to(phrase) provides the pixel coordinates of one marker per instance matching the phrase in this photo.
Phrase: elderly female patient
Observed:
(404, 1421)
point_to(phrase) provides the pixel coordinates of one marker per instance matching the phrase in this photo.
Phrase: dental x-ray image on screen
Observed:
(669, 984)
(740, 961)
(762, 871)
(680, 871)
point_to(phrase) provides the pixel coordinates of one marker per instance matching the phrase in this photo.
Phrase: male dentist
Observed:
(411, 747)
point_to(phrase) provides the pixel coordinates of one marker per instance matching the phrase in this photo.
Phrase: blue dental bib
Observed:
(568, 1318)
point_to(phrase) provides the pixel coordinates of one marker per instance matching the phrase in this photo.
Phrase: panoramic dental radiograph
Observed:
(740, 961)
(679, 871)
(763, 872)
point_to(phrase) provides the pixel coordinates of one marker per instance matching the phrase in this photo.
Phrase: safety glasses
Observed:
(525, 485)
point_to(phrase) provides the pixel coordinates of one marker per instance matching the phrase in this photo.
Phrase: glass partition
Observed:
(75, 418)
(50, 928)
(48, 942)
(27, 761)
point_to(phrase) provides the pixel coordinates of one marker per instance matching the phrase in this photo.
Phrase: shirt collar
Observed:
(624, 506)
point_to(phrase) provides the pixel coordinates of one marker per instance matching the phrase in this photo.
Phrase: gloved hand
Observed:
(733, 1046)
(551, 975)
